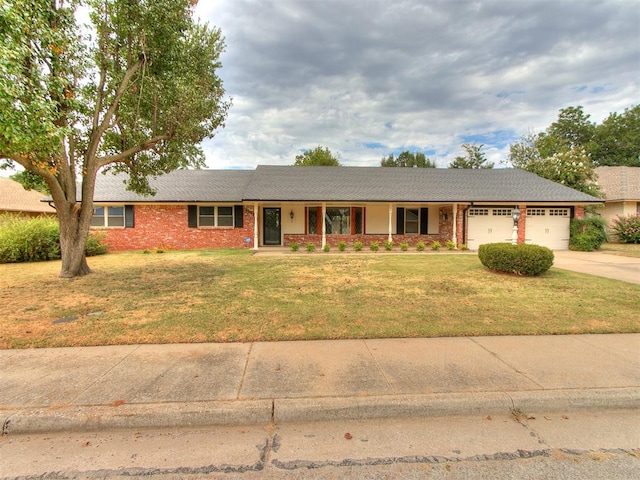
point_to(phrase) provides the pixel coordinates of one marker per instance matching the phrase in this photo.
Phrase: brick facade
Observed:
(166, 227)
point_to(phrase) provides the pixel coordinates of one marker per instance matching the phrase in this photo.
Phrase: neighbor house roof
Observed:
(14, 198)
(345, 184)
(619, 183)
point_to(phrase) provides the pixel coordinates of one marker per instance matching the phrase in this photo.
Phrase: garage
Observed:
(548, 227)
(488, 225)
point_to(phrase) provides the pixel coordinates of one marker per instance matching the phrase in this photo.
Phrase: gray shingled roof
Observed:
(178, 186)
(345, 184)
(378, 184)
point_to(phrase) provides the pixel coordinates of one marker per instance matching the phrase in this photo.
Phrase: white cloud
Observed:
(366, 79)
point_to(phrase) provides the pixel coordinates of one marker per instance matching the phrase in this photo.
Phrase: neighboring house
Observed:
(278, 205)
(15, 199)
(621, 189)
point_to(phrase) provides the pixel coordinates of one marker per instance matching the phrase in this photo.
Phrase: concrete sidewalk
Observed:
(141, 386)
(618, 267)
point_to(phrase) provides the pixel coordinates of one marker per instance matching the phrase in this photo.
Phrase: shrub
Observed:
(464, 247)
(450, 244)
(357, 245)
(420, 246)
(326, 247)
(375, 246)
(404, 246)
(95, 244)
(310, 247)
(29, 239)
(342, 246)
(435, 245)
(627, 228)
(587, 234)
(388, 245)
(294, 246)
(527, 260)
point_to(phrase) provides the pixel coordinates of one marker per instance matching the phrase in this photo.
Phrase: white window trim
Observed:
(105, 223)
(216, 216)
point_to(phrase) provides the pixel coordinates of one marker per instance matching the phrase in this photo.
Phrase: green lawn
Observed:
(228, 296)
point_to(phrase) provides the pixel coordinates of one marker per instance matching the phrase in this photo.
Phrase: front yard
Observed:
(231, 296)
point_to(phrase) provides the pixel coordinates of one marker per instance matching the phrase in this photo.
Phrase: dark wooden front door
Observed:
(271, 226)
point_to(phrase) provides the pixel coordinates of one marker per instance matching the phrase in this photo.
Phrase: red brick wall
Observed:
(166, 227)
(578, 212)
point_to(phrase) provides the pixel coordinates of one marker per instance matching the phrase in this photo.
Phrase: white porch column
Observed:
(390, 238)
(255, 226)
(324, 225)
(455, 224)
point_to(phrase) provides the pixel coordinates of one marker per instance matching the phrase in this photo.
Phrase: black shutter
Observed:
(400, 221)
(238, 215)
(129, 219)
(193, 216)
(424, 221)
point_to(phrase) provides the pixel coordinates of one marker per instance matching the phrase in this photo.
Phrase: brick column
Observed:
(522, 224)
(578, 212)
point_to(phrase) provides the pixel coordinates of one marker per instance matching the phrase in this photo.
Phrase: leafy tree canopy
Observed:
(571, 147)
(135, 91)
(474, 158)
(31, 181)
(616, 140)
(317, 157)
(408, 159)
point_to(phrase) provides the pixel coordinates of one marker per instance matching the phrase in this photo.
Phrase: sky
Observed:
(370, 78)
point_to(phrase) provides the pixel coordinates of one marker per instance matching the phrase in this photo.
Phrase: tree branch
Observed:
(146, 145)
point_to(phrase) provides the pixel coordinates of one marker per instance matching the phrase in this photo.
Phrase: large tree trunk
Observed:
(73, 238)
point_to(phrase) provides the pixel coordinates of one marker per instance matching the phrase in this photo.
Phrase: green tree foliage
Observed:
(31, 181)
(135, 91)
(474, 158)
(317, 157)
(408, 159)
(560, 153)
(572, 129)
(616, 140)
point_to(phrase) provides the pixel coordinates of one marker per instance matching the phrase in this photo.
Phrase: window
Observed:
(411, 220)
(502, 212)
(108, 217)
(312, 225)
(536, 212)
(214, 216)
(559, 212)
(338, 221)
(478, 212)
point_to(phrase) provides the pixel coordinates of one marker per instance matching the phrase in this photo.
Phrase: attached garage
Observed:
(548, 227)
(488, 225)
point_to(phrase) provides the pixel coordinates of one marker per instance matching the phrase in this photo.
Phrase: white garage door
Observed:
(548, 227)
(488, 225)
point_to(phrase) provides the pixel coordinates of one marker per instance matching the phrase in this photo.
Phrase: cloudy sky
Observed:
(370, 78)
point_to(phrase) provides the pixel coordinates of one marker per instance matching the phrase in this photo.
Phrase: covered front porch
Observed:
(329, 223)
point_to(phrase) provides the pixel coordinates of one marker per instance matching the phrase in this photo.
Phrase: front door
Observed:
(271, 226)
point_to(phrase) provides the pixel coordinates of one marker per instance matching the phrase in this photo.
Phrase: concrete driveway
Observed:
(600, 264)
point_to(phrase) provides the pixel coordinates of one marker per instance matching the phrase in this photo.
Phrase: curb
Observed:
(292, 410)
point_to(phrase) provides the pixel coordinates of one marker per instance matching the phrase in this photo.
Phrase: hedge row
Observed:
(522, 259)
(36, 239)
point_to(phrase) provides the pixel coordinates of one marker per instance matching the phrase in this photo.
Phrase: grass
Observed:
(624, 249)
(229, 296)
